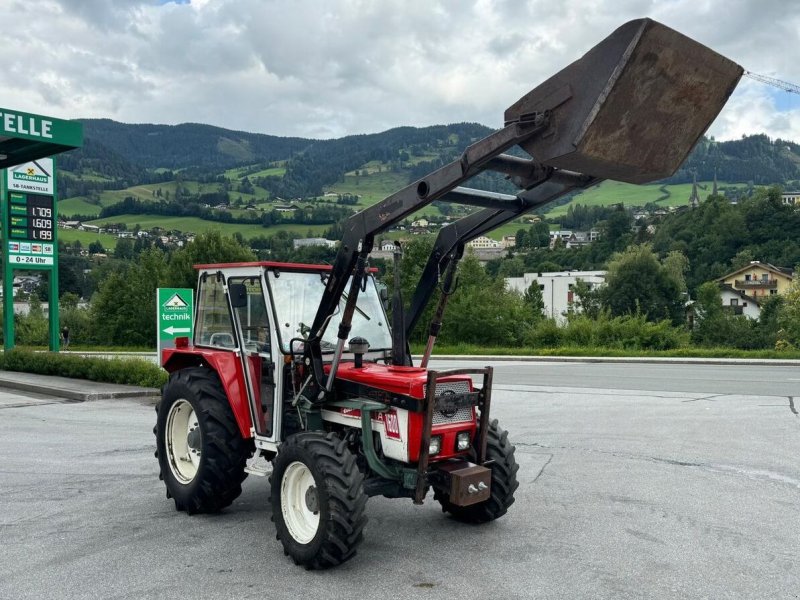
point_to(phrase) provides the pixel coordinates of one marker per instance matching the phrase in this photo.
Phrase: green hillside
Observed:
(177, 170)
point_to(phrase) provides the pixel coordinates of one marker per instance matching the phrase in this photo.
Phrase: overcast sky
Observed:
(327, 68)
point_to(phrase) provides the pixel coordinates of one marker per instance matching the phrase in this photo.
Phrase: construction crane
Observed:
(783, 85)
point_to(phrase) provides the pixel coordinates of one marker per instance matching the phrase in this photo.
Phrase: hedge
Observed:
(131, 371)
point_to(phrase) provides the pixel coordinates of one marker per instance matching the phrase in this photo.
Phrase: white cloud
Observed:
(304, 67)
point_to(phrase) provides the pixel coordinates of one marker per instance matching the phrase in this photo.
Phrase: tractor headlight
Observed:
(435, 446)
(462, 441)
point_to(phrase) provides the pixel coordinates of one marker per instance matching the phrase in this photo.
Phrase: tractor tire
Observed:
(200, 451)
(504, 482)
(318, 500)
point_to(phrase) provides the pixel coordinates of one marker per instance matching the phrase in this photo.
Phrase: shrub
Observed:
(628, 332)
(114, 370)
(544, 334)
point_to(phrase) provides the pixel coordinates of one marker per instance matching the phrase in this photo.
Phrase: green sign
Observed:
(175, 316)
(16, 124)
(29, 215)
(28, 206)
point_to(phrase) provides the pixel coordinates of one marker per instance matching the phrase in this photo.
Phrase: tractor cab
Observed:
(255, 318)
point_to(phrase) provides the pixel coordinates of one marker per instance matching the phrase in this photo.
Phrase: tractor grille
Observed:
(457, 387)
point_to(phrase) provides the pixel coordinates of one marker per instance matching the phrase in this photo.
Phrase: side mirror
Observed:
(384, 295)
(237, 292)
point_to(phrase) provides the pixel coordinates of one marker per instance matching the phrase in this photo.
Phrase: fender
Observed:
(227, 366)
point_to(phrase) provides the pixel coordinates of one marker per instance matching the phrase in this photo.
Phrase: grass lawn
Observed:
(196, 225)
(613, 192)
(240, 172)
(507, 229)
(371, 188)
(86, 237)
(77, 206)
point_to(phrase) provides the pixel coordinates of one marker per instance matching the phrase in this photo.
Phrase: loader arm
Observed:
(361, 228)
(451, 240)
(630, 109)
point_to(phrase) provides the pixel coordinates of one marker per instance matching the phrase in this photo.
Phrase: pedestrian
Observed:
(65, 337)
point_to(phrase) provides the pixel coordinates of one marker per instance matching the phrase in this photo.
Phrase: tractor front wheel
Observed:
(504, 482)
(318, 500)
(198, 445)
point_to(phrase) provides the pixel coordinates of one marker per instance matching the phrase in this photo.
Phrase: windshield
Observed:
(297, 297)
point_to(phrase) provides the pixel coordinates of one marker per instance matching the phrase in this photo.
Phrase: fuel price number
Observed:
(31, 217)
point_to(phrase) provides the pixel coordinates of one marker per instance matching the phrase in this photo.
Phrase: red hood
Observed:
(409, 381)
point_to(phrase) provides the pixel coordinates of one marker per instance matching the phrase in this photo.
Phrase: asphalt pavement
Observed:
(624, 493)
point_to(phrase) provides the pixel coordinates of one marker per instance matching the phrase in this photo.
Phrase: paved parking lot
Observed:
(623, 494)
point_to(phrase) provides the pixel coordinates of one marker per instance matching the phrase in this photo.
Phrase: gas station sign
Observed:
(28, 205)
(31, 217)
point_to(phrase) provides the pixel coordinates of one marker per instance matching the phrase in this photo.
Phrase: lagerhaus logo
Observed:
(30, 174)
(175, 303)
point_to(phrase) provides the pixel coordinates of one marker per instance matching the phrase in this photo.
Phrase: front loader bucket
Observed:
(633, 107)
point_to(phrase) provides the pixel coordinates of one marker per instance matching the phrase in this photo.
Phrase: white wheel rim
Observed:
(300, 502)
(183, 441)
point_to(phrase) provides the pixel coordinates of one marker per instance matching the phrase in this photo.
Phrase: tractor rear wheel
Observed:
(200, 451)
(504, 481)
(318, 500)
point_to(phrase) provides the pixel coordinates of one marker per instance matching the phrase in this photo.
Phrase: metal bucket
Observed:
(633, 107)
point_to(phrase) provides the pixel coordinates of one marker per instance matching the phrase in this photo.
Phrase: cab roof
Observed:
(268, 264)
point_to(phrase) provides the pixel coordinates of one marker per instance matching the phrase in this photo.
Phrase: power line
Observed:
(783, 85)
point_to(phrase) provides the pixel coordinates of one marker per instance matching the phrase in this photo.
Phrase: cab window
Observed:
(214, 326)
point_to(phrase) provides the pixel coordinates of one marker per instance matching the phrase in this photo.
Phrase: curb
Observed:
(77, 396)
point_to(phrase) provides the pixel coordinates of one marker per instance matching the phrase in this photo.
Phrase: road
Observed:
(629, 488)
(755, 380)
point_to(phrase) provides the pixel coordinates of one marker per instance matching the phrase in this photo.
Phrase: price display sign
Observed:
(30, 229)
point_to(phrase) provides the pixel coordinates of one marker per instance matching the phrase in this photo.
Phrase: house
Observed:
(557, 288)
(790, 198)
(306, 242)
(422, 223)
(743, 291)
(740, 303)
(581, 238)
(759, 279)
(509, 241)
(559, 236)
(387, 246)
(483, 242)
(89, 228)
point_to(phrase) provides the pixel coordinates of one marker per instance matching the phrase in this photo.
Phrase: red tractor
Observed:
(298, 365)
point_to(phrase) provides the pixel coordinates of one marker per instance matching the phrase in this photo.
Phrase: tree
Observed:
(534, 300)
(208, 247)
(587, 300)
(124, 249)
(677, 265)
(637, 283)
(789, 315)
(124, 307)
(96, 247)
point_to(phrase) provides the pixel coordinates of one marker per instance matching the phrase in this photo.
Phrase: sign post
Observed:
(175, 318)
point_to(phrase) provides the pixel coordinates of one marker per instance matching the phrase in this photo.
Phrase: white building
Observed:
(483, 242)
(305, 242)
(791, 198)
(739, 303)
(557, 288)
